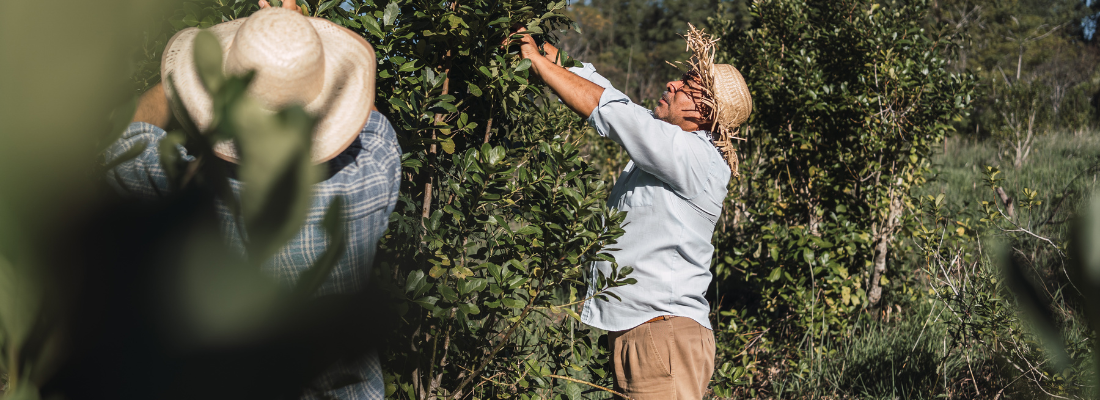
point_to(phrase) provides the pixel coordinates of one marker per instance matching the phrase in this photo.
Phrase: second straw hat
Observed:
(311, 62)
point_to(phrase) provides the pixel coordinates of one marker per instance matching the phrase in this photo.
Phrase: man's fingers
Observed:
(287, 4)
(511, 38)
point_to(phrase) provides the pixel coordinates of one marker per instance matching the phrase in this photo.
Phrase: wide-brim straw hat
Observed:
(299, 60)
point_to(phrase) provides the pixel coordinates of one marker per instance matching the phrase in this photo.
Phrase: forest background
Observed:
(903, 225)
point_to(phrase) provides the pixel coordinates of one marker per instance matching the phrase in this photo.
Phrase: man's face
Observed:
(680, 104)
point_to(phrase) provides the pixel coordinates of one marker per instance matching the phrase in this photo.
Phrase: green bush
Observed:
(849, 98)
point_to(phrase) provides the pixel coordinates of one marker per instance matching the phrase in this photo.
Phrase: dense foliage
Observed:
(850, 97)
(499, 215)
(846, 264)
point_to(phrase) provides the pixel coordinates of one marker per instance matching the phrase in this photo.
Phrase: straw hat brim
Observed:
(342, 107)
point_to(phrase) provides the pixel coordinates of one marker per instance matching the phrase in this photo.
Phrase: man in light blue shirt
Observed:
(673, 189)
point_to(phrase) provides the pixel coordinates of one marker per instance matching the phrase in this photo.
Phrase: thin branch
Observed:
(589, 384)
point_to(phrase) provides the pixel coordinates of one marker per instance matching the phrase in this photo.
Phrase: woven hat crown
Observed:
(298, 60)
(732, 95)
(286, 53)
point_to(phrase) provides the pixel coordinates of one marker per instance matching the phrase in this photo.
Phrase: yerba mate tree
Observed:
(498, 217)
(849, 97)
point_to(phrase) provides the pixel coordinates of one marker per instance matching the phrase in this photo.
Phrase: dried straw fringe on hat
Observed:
(724, 93)
(301, 60)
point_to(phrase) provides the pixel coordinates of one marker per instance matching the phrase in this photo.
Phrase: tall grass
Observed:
(1061, 167)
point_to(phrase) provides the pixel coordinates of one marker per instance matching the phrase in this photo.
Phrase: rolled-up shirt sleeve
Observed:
(587, 71)
(674, 156)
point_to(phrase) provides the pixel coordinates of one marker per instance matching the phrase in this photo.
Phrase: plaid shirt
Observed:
(368, 182)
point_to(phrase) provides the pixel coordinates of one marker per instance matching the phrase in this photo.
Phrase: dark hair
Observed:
(693, 80)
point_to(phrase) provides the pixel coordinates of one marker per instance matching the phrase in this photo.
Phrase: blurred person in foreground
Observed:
(331, 72)
(673, 189)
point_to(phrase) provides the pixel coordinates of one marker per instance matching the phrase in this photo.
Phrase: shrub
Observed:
(850, 97)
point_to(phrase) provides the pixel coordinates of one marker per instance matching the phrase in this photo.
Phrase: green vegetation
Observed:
(859, 256)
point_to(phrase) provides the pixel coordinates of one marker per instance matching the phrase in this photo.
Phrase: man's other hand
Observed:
(287, 4)
(578, 93)
(528, 48)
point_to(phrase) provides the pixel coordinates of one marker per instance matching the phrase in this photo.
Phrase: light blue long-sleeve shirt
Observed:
(672, 191)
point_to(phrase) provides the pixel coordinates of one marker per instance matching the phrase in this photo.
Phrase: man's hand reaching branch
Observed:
(578, 93)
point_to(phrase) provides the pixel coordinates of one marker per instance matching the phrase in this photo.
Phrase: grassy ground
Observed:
(1058, 168)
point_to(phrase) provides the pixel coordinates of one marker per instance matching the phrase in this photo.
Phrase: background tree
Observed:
(1005, 42)
(631, 42)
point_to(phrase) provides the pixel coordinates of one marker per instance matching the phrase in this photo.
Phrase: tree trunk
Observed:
(433, 150)
(883, 237)
(1019, 62)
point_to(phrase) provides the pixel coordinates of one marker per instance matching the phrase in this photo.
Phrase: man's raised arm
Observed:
(578, 93)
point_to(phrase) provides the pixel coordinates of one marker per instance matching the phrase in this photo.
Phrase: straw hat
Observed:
(725, 95)
(311, 62)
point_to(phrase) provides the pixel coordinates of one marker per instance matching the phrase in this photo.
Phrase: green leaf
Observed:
(512, 303)
(775, 275)
(573, 391)
(448, 145)
(572, 314)
(474, 89)
(446, 106)
(371, 25)
(276, 168)
(408, 66)
(529, 230)
(1037, 307)
(326, 5)
(222, 298)
(427, 302)
(461, 272)
(469, 309)
(191, 20)
(523, 65)
(437, 271)
(472, 285)
(447, 293)
(208, 61)
(391, 13)
(20, 301)
(170, 158)
(414, 281)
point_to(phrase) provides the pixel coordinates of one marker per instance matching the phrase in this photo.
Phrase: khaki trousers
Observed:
(668, 359)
